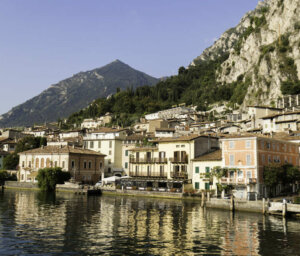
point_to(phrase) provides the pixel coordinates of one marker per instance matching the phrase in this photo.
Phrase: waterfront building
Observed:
(202, 167)
(130, 142)
(109, 142)
(245, 158)
(167, 163)
(84, 165)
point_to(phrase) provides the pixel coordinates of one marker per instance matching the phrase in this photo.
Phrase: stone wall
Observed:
(17, 184)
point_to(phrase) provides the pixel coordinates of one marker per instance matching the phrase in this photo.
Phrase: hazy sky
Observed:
(45, 41)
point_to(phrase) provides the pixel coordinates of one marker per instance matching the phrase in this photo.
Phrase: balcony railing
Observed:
(179, 175)
(148, 174)
(141, 160)
(148, 160)
(238, 181)
(179, 160)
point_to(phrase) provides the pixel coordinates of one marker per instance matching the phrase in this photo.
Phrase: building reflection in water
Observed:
(131, 226)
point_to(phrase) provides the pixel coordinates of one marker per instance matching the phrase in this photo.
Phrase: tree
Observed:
(11, 161)
(49, 177)
(4, 175)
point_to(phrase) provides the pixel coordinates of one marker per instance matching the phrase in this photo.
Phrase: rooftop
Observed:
(61, 150)
(212, 156)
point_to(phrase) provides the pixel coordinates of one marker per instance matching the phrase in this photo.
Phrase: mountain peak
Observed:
(74, 93)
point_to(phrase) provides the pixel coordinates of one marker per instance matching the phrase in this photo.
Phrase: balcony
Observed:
(179, 175)
(179, 160)
(156, 160)
(133, 160)
(238, 181)
(161, 160)
(148, 174)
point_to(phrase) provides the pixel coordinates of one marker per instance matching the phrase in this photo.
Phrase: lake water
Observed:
(32, 223)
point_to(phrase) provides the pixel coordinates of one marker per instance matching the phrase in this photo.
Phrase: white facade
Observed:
(109, 142)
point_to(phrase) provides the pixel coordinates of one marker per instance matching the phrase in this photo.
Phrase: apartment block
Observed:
(245, 157)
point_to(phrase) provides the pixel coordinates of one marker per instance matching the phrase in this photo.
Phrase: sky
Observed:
(45, 41)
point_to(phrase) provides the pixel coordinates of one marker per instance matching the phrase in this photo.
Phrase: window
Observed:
(92, 144)
(149, 170)
(183, 146)
(109, 170)
(240, 174)
(126, 165)
(29, 164)
(177, 146)
(207, 169)
(55, 164)
(248, 159)
(73, 164)
(269, 159)
(197, 169)
(100, 165)
(248, 144)
(109, 161)
(262, 144)
(273, 146)
(90, 164)
(263, 159)
(126, 152)
(23, 164)
(109, 152)
(206, 186)
(231, 174)
(197, 185)
(63, 164)
(42, 163)
(161, 170)
(231, 144)
(110, 144)
(136, 170)
(268, 145)
(231, 159)
(99, 144)
(36, 163)
(84, 165)
(249, 175)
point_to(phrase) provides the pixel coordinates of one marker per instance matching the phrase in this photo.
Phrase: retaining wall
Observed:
(17, 184)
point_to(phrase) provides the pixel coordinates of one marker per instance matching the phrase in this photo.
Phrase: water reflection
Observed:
(63, 224)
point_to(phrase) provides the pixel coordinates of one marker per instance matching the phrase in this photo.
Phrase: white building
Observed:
(109, 142)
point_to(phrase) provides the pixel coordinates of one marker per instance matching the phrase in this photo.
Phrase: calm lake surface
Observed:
(65, 224)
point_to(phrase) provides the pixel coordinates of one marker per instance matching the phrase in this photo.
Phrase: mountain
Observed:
(263, 53)
(75, 93)
(256, 62)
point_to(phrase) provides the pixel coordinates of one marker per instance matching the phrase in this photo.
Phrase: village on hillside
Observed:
(174, 150)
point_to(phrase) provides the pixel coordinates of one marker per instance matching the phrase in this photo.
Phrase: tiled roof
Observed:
(106, 130)
(61, 150)
(182, 138)
(165, 129)
(212, 156)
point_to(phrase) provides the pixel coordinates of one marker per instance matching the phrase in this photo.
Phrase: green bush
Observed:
(49, 177)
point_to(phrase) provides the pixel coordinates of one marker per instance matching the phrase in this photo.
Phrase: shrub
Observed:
(49, 177)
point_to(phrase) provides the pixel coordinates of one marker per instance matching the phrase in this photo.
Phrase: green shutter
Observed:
(207, 169)
(196, 185)
(206, 186)
(126, 165)
(197, 170)
(126, 152)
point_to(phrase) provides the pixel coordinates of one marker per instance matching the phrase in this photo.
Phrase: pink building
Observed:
(248, 155)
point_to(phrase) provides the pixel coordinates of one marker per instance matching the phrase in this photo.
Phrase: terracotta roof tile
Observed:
(62, 150)
(212, 156)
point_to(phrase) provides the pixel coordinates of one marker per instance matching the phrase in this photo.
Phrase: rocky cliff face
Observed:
(264, 52)
(75, 93)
